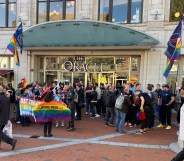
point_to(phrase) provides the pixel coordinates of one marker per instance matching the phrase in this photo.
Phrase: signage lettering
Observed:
(81, 67)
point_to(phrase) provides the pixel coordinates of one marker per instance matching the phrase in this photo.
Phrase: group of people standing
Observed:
(98, 101)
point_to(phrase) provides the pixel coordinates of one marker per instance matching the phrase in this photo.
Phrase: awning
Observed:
(59, 34)
(4, 72)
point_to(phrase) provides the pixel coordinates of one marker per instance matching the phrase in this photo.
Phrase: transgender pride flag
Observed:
(174, 48)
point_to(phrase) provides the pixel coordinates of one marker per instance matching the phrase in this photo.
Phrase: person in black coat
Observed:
(48, 125)
(4, 117)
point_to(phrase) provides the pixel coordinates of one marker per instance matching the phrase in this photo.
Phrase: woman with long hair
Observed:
(48, 125)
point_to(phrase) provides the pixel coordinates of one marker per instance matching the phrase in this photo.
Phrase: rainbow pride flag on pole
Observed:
(12, 46)
(25, 83)
(174, 48)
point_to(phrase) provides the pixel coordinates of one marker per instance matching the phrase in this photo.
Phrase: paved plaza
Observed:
(92, 141)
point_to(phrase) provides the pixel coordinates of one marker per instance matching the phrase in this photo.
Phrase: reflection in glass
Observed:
(2, 15)
(51, 76)
(42, 12)
(108, 63)
(56, 11)
(77, 77)
(70, 10)
(51, 63)
(122, 63)
(136, 10)
(66, 77)
(104, 10)
(120, 8)
(176, 10)
(12, 15)
(135, 64)
(3, 62)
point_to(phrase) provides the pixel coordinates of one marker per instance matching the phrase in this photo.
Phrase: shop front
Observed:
(97, 69)
(73, 51)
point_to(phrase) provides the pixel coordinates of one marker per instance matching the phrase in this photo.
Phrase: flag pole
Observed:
(178, 83)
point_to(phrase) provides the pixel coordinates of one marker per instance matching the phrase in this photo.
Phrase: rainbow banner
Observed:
(27, 105)
(12, 46)
(51, 111)
(44, 111)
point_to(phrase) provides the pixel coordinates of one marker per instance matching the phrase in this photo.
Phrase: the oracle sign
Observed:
(82, 67)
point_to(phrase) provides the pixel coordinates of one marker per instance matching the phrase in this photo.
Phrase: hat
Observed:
(165, 85)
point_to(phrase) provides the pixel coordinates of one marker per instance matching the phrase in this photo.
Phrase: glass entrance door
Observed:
(101, 78)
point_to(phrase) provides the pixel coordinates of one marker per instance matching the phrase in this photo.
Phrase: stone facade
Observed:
(153, 61)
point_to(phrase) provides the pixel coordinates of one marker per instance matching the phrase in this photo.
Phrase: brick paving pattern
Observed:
(92, 141)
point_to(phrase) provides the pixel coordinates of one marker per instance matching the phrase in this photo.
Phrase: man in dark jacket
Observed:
(110, 104)
(11, 90)
(71, 105)
(4, 117)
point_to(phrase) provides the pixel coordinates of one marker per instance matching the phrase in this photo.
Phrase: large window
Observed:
(123, 11)
(7, 13)
(177, 9)
(52, 10)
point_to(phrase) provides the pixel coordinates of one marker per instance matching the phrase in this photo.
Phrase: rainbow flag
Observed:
(25, 82)
(167, 69)
(174, 48)
(12, 46)
(51, 111)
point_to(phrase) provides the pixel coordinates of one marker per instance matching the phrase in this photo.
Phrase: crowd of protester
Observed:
(100, 101)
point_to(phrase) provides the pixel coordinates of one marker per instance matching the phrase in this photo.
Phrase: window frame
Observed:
(170, 12)
(48, 9)
(7, 3)
(128, 11)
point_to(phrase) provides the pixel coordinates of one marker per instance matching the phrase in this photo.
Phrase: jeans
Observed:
(92, 110)
(87, 104)
(47, 127)
(71, 122)
(120, 120)
(109, 113)
(18, 117)
(159, 113)
(166, 114)
(4, 137)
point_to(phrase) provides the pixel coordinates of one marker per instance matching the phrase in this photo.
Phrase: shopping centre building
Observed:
(104, 41)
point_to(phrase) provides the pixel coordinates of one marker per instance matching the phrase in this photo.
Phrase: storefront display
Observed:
(98, 69)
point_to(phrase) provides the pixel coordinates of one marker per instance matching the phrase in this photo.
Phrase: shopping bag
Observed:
(138, 115)
(143, 116)
(8, 129)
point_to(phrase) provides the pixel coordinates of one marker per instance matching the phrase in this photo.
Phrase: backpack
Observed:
(147, 99)
(120, 101)
(76, 97)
